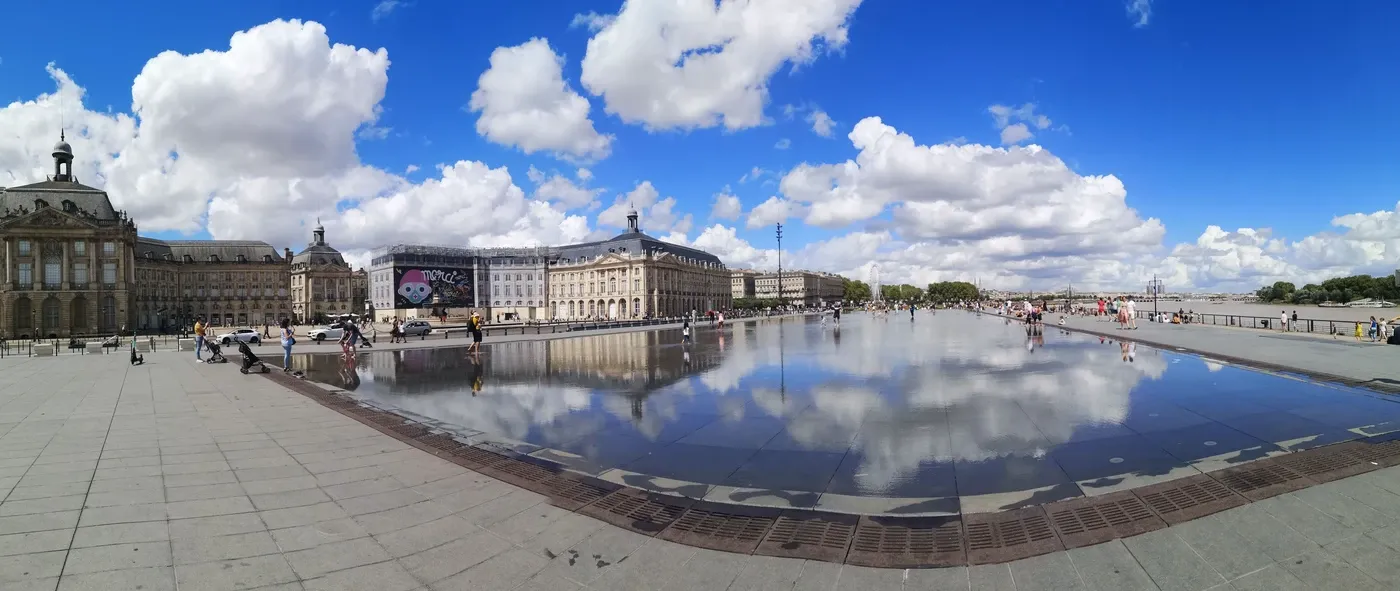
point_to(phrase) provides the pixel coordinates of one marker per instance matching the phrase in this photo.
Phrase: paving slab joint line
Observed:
(541, 477)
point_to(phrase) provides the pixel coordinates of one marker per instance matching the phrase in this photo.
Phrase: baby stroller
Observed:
(249, 359)
(215, 354)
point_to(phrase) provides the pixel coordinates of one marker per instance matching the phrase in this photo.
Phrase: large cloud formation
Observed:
(257, 140)
(686, 64)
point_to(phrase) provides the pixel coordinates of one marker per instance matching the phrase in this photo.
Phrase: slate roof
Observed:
(319, 254)
(94, 201)
(199, 250)
(635, 243)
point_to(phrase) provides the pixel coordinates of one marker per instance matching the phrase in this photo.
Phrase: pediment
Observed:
(48, 217)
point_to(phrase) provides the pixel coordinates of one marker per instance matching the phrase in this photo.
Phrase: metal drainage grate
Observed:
(440, 442)
(1261, 479)
(409, 430)
(637, 511)
(520, 473)
(1190, 498)
(1324, 464)
(1009, 535)
(1086, 521)
(908, 542)
(811, 535)
(571, 494)
(1382, 454)
(732, 528)
(477, 458)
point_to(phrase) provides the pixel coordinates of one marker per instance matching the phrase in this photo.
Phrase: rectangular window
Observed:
(80, 248)
(109, 273)
(24, 248)
(53, 274)
(26, 273)
(637, 284)
(80, 273)
(109, 249)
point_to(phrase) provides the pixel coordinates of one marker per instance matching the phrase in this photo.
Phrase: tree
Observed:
(945, 292)
(855, 291)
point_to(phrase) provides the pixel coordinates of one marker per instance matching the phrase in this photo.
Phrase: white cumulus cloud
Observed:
(525, 102)
(683, 64)
(727, 206)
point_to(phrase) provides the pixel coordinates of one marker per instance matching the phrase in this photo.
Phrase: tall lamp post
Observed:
(1155, 290)
(780, 264)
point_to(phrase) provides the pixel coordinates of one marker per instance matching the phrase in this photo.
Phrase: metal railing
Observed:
(1308, 325)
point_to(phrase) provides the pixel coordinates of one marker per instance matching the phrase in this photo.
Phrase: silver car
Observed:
(416, 328)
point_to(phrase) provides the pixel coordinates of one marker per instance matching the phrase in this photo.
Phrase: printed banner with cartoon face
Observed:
(423, 287)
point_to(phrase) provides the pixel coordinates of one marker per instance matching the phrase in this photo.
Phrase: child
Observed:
(685, 332)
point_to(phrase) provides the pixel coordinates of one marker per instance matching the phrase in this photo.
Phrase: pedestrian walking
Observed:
(474, 326)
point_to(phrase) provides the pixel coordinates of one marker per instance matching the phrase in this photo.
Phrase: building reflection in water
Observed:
(898, 394)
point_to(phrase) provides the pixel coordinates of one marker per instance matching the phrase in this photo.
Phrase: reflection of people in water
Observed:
(685, 358)
(475, 373)
(348, 376)
(1123, 348)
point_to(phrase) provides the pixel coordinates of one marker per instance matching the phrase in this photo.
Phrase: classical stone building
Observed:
(801, 288)
(630, 276)
(230, 283)
(741, 283)
(68, 263)
(634, 275)
(322, 283)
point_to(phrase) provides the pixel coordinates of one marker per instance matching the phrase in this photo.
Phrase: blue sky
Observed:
(1235, 114)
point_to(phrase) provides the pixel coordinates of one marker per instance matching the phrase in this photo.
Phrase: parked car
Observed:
(332, 332)
(414, 328)
(246, 335)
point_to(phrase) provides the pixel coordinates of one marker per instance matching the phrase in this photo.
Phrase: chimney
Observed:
(287, 252)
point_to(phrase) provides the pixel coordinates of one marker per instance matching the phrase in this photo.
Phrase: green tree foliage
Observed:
(1338, 289)
(901, 293)
(856, 291)
(755, 303)
(945, 292)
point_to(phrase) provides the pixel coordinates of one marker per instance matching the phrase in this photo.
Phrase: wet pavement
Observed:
(945, 413)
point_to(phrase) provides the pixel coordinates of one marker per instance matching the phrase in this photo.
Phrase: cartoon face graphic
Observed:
(413, 286)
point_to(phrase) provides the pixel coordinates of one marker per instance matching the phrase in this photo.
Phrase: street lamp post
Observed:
(1154, 288)
(780, 264)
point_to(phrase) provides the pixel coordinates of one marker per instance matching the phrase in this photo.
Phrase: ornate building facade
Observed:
(633, 276)
(629, 276)
(801, 288)
(68, 264)
(74, 265)
(228, 282)
(322, 283)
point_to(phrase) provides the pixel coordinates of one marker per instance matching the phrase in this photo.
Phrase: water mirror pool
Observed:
(944, 413)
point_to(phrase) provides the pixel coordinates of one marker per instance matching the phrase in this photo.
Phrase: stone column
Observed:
(10, 261)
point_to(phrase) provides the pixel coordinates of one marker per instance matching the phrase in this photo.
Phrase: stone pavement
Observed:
(1344, 357)
(177, 475)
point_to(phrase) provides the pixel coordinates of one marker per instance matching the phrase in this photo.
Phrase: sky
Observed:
(1021, 144)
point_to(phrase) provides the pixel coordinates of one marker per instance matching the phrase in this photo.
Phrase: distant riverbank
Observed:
(1272, 310)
